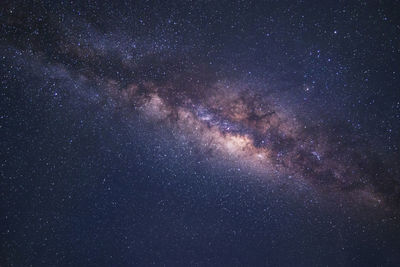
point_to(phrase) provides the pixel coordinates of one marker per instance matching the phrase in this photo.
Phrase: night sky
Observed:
(200, 133)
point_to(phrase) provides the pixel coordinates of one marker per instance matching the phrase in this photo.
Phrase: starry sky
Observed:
(205, 133)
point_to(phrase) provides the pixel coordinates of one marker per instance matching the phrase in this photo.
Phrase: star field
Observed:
(228, 133)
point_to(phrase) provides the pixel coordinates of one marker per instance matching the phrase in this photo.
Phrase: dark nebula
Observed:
(207, 133)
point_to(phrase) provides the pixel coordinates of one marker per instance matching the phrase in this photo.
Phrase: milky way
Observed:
(235, 120)
(231, 119)
(209, 133)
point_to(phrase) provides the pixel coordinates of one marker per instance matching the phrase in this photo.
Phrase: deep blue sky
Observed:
(89, 180)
